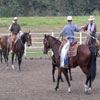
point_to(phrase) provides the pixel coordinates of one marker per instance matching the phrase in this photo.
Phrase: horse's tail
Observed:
(93, 64)
(93, 72)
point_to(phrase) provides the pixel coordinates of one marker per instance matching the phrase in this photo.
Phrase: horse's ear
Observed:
(45, 35)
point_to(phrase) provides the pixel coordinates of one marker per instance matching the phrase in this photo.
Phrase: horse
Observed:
(5, 48)
(54, 65)
(82, 59)
(18, 47)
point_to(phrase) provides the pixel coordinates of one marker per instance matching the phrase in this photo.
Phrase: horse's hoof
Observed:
(89, 90)
(56, 88)
(69, 90)
(86, 88)
(13, 67)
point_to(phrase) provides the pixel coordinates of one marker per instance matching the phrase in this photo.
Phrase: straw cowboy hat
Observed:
(69, 18)
(91, 18)
(15, 18)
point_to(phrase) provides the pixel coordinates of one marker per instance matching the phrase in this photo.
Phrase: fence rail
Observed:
(37, 41)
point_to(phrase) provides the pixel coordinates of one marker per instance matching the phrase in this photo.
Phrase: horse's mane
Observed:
(55, 39)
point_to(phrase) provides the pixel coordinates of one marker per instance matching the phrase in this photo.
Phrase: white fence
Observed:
(37, 41)
(41, 38)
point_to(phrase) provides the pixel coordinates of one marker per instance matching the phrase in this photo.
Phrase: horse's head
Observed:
(46, 44)
(28, 38)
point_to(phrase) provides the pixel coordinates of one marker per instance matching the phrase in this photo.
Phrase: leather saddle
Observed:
(72, 52)
(73, 49)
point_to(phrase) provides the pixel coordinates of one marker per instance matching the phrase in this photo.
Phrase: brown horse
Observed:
(18, 47)
(4, 48)
(82, 59)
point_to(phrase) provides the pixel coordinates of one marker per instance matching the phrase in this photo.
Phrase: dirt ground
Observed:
(34, 82)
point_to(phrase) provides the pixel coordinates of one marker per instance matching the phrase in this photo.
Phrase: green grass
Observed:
(46, 21)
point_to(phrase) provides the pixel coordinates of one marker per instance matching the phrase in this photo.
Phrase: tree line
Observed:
(10, 8)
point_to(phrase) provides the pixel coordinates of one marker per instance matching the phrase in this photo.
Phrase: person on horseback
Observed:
(91, 31)
(91, 40)
(68, 30)
(14, 30)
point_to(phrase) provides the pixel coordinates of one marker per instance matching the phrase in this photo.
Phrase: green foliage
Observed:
(47, 7)
(96, 13)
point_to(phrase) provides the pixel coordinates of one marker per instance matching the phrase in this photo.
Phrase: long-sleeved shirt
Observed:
(15, 28)
(69, 30)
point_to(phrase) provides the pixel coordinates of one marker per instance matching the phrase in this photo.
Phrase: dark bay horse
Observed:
(18, 48)
(82, 59)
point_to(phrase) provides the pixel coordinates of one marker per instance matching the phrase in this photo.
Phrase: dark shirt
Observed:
(86, 28)
(15, 28)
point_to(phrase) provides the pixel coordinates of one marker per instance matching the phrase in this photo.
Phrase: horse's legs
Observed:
(58, 78)
(88, 86)
(13, 61)
(7, 57)
(19, 61)
(1, 56)
(69, 69)
(67, 78)
(61, 78)
(5, 54)
(53, 71)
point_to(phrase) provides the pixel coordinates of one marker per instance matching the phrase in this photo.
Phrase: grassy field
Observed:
(40, 24)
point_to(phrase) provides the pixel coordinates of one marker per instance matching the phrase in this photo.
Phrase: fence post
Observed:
(52, 35)
(25, 51)
(80, 37)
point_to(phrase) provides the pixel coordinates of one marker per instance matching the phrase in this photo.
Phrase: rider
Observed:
(68, 30)
(14, 30)
(91, 40)
(91, 30)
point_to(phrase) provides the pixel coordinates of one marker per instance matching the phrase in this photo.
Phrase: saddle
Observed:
(72, 51)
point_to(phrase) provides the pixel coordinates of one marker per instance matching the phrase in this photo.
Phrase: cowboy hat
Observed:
(69, 17)
(15, 18)
(91, 18)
